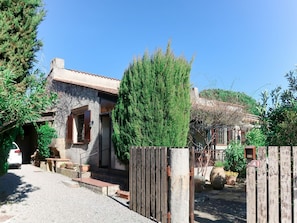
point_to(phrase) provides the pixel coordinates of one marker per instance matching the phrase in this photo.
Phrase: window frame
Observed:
(72, 134)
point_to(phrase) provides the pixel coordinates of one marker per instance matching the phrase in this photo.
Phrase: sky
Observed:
(238, 45)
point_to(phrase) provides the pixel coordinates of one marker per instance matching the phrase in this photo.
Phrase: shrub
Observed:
(45, 135)
(235, 160)
(218, 163)
(153, 107)
(255, 137)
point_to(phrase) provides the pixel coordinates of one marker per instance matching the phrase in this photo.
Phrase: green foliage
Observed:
(153, 108)
(45, 134)
(18, 35)
(6, 142)
(255, 137)
(219, 163)
(17, 107)
(278, 113)
(23, 96)
(232, 97)
(235, 160)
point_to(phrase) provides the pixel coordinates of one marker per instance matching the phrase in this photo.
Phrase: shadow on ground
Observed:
(13, 189)
(221, 206)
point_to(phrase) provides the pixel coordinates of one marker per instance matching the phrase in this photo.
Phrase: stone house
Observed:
(82, 116)
(82, 119)
(229, 122)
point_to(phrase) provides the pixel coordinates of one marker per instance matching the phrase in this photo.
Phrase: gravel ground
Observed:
(221, 206)
(30, 195)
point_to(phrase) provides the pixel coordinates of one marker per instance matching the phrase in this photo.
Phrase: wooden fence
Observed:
(149, 179)
(272, 186)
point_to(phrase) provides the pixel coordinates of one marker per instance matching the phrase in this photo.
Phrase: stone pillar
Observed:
(179, 185)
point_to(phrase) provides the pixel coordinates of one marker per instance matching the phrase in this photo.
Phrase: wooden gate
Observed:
(272, 186)
(149, 177)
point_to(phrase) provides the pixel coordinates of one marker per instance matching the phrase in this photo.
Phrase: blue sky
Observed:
(237, 45)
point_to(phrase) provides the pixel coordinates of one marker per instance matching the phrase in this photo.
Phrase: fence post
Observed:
(179, 185)
(192, 185)
(295, 183)
(251, 194)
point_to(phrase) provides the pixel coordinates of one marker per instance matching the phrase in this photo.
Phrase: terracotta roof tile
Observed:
(99, 88)
(96, 75)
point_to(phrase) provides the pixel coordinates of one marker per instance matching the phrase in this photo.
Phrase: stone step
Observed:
(72, 173)
(98, 186)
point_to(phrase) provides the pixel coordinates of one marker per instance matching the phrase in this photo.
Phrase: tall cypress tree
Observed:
(153, 108)
(18, 35)
(23, 95)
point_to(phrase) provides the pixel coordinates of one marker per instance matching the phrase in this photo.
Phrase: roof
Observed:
(93, 81)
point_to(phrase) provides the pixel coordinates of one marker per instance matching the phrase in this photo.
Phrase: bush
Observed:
(219, 163)
(235, 160)
(255, 137)
(45, 135)
(153, 106)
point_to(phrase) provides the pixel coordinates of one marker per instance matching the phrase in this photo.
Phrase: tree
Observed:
(18, 36)
(278, 111)
(153, 108)
(208, 115)
(23, 92)
(233, 97)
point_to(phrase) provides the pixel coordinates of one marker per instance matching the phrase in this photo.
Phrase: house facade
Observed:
(226, 122)
(83, 116)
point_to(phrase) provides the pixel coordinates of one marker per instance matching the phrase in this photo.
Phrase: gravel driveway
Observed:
(33, 195)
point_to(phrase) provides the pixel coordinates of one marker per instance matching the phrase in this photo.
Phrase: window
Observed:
(220, 136)
(78, 126)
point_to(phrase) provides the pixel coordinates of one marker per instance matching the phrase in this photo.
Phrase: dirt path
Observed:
(221, 206)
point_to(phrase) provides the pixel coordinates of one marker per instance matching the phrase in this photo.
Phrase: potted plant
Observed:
(217, 176)
(231, 177)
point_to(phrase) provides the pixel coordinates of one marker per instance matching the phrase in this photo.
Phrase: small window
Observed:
(78, 126)
(220, 136)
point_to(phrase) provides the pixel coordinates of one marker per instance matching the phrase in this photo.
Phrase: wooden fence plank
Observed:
(295, 183)
(143, 194)
(164, 185)
(133, 180)
(131, 177)
(251, 194)
(153, 183)
(285, 171)
(262, 187)
(273, 189)
(148, 183)
(158, 185)
(138, 178)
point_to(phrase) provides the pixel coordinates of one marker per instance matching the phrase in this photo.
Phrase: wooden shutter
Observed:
(229, 136)
(69, 138)
(87, 120)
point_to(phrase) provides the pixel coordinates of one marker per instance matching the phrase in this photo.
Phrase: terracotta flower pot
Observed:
(218, 178)
(84, 167)
(231, 177)
(231, 180)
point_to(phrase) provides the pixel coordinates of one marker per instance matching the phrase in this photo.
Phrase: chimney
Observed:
(194, 93)
(57, 63)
